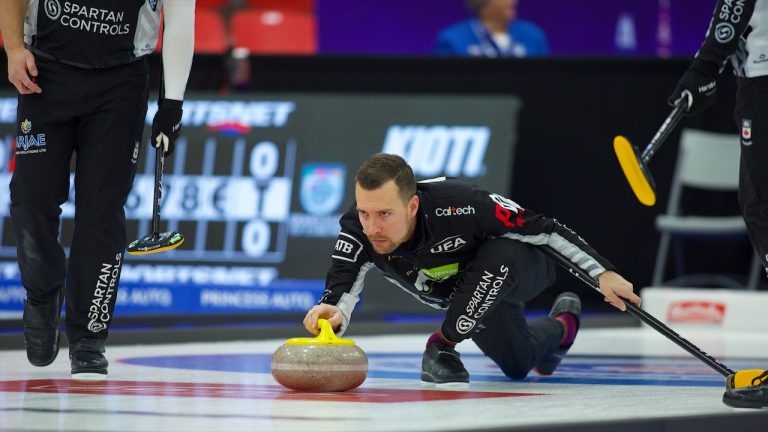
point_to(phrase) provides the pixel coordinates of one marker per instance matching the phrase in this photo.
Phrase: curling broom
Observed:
(635, 164)
(733, 379)
(157, 241)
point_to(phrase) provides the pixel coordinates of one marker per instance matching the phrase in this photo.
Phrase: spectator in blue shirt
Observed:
(494, 31)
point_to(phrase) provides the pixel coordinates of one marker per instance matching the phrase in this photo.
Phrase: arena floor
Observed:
(613, 379)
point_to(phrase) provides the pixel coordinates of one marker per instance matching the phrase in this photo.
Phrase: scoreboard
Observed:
(257, 184)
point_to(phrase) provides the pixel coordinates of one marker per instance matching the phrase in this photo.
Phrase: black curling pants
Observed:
(98, 115)
(488, 306)
(751, 115)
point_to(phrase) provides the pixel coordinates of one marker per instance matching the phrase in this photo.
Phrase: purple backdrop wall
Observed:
(582, 28)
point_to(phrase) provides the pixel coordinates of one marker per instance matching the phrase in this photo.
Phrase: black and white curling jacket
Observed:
(454, 218)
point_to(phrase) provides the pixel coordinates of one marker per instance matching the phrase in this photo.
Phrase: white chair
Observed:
(707, 161)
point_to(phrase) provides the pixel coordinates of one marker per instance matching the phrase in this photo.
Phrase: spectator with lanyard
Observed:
(495, 31)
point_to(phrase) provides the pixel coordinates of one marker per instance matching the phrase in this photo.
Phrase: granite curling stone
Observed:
(325, 363)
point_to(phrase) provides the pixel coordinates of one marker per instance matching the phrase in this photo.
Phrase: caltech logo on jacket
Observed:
(455, 211)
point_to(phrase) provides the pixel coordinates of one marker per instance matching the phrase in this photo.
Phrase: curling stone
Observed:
(325, 363)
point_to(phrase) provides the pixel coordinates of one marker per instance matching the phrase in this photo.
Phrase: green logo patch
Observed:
(442, 272)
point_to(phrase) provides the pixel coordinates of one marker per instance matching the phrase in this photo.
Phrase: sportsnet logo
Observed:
(231, 117)
(696, 312)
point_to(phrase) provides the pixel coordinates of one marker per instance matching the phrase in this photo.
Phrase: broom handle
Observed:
(664, 130)
(159, 162)
(642, 315)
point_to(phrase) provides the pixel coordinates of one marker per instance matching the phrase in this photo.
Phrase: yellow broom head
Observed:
(743, 378)
(635, 171)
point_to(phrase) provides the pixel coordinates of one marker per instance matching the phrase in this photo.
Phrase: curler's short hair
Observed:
(383, 167)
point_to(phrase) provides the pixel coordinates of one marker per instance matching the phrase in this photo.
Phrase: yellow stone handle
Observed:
(326, 337)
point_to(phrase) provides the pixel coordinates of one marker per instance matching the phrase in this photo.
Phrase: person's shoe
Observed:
(441, 365)
(566, 302)
(755, 396)
(87, 358)
(42, 335)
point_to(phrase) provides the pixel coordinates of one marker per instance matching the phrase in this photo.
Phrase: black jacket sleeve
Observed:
(729, 21)
(502, 217)
(350, 261)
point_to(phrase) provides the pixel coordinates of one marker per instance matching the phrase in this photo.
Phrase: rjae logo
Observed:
(24, 142)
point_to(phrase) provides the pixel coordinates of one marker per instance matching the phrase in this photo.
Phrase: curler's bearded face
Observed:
(387, 220)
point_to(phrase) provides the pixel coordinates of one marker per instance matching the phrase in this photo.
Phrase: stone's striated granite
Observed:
(319, 367)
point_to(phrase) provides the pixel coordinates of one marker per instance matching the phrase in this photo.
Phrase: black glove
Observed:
(166, 126)
(697, 86)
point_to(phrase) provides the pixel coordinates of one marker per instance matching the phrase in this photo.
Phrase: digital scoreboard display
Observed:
(257, 184)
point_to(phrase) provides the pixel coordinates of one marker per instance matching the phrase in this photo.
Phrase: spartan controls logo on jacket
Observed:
(104, 295)
(455, 211)
(28, 143)
(486, 292)
(87, 18)
(464, 324)
(52, 9)
(729, 14)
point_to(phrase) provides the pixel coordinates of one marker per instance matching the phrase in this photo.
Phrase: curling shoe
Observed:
(87, 358)
(755, 396)
(570, 303)
(42, 334)
(441, 365)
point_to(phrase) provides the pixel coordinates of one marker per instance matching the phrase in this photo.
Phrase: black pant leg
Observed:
(751, 115)
(488, 305)
(106, 165)
(40, 182)
(514, 344)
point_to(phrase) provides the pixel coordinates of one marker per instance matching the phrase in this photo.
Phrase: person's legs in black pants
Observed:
(488, 306)
(104, 175)
(514, 344)
(751, 115)
(39, 186)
